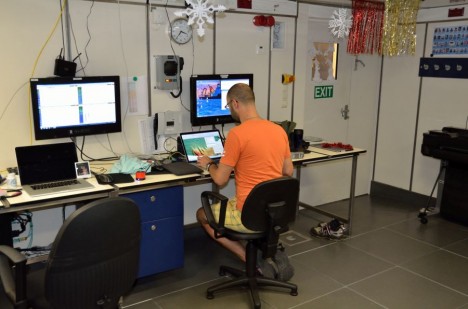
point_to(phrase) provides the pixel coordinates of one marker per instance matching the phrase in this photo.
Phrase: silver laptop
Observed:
(196, 144)
(201, 143)
(49, 169)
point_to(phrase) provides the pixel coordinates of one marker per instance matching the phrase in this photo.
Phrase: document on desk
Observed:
(145, 126)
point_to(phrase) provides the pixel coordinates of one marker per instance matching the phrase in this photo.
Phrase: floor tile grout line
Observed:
(313, 249)
(372, 254)
(366, 297)
(454, 253)
(371, 276)
(413, 238)
(429, 244)
(137, 303)
(432, 280)
(173, 292)
(331, 292)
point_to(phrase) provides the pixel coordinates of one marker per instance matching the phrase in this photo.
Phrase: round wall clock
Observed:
(180, 31)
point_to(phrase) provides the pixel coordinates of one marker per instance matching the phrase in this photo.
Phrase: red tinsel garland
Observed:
(365, 36)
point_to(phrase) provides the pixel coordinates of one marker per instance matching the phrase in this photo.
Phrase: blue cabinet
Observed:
(162, 227)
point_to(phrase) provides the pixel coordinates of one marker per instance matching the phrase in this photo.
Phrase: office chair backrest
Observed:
(94, 259)
(282, 194)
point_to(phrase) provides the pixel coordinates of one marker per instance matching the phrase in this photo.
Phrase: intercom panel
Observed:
(168, 69)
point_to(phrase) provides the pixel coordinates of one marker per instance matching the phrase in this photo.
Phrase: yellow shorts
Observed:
(233, 216)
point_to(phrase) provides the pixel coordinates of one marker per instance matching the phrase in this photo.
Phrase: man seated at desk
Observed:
(257, 150)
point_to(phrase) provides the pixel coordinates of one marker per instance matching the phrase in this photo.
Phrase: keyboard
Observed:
(55, 184)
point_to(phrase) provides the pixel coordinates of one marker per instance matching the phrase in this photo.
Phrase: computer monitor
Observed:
(208, 97)
(75, 106)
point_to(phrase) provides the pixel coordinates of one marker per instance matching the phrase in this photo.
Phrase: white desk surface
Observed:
(155, 181)
(96, 191)
(320, 154)
(99, 190)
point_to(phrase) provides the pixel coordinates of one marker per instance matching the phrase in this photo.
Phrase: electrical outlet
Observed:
(260, 49)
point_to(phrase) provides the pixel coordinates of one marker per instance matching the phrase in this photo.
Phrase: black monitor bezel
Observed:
(72, 131)
(212, 120)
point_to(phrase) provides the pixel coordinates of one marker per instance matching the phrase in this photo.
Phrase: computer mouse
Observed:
(157, 168)
(104, 178)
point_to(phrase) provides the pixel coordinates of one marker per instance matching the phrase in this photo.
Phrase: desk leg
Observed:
(298, 176)
(351, 197)
(316, 209)
(352, 192)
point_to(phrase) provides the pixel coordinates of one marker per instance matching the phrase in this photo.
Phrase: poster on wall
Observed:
(324, 61)
(452, 40)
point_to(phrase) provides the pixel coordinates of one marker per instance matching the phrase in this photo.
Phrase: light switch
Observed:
(260, 49)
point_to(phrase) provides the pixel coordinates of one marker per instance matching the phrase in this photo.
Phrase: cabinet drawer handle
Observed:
(153, 198)
(153, 227)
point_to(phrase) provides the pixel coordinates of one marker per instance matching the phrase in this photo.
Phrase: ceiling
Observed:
(424, 3)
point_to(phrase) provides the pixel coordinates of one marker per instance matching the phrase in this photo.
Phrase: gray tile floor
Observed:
(390, 261)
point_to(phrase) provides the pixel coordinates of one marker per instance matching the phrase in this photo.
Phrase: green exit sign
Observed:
(322, 92)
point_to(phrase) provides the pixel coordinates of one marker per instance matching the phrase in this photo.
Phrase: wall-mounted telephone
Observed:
(165, 124)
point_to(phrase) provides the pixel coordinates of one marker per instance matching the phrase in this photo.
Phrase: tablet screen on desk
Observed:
(201, 143)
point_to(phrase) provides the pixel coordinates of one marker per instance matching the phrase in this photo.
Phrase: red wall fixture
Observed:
(263, 21)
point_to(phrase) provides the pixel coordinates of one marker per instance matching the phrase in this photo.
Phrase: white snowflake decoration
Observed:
(199, 12)
(340, 23)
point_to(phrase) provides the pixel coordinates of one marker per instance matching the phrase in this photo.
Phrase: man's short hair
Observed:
(242, 93)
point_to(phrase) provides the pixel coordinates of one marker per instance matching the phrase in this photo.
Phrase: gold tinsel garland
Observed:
(399, 31)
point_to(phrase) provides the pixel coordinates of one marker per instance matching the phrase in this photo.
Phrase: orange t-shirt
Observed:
(256, 149)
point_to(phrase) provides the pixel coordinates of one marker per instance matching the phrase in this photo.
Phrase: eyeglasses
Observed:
(228, 103)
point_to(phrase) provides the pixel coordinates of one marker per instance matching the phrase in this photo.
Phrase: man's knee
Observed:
(201, 216)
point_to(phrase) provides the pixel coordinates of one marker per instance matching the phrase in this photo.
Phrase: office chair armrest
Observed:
(206, 196)
(13, 274)
(13, 255)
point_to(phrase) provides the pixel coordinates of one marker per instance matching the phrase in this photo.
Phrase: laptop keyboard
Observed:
(55, 184)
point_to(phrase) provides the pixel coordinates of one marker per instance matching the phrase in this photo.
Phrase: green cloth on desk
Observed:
(129, 165)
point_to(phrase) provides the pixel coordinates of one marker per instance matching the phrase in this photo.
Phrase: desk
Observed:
(321, 155)
(159, 198)
(162, 229)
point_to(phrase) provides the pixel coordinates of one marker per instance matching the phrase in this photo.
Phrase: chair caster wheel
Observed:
(293, 293)
(209, 295)
(423, 216)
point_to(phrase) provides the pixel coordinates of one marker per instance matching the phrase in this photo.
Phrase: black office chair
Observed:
(92, 264)
(268, 209)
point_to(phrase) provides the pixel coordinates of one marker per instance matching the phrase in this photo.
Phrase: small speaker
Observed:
(64, 68)
(297, 136)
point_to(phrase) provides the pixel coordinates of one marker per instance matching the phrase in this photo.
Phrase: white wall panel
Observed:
(398, 116)
(282, 63)
(301, 65)
(237, 39)
(197, 54)
(442, 105)
(25, 27)
(323, 183)
(114, 46)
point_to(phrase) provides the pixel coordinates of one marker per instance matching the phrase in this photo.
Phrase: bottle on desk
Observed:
(11, 181)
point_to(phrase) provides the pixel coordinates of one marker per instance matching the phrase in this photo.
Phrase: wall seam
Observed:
(294, 63)
(378, 118)
(417, 117)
